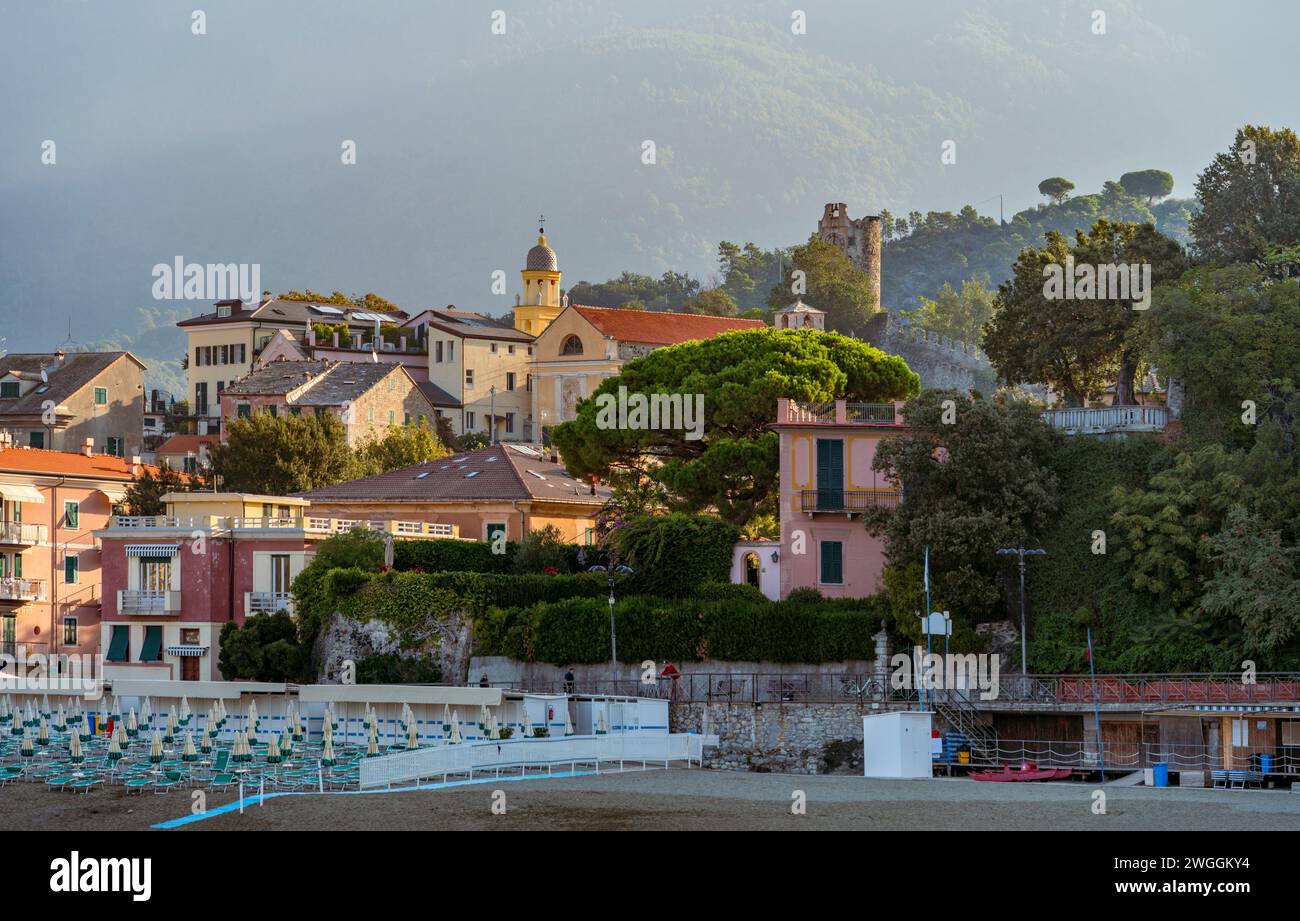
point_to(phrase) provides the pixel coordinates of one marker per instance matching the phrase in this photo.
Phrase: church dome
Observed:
(541, 258)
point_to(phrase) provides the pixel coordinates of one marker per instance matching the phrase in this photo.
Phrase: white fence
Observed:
(1102, 420)
(467, 758)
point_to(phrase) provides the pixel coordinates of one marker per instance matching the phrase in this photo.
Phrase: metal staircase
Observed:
(956, 709)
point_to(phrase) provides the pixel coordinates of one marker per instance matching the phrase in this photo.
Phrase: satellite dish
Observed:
(45, 377)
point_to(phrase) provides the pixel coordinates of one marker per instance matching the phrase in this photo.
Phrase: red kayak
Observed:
(1027, 771)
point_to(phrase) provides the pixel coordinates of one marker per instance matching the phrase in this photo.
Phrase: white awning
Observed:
(152, 549)
(17, 492)
(187, 651)
(115, 494)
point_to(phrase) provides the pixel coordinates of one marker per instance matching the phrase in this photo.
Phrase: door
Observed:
(280, 578)
(9, 634)
(190, 668)
(830, 474)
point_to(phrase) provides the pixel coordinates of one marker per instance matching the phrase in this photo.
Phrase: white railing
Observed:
(15, 532)
(1106, 419)
(312, 525)
(12, 589)
(842, 412)
(267, 602)
(590, 751)
(137, 601)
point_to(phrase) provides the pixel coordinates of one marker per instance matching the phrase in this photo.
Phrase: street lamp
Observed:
(1021, 553)
(615, 568)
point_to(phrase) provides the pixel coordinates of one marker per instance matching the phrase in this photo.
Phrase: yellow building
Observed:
(539, 303)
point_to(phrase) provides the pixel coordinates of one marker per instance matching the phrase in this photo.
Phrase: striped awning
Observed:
(114, 494)
(187, 651)
(18, 492)
(152, 549)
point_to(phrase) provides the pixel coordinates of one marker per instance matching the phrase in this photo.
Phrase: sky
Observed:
(226, 145)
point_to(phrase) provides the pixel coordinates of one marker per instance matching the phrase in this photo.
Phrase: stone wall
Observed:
(502, 670)
(787, 738)
(942, 362)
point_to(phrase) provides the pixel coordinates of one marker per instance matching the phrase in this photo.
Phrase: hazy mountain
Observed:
(225, 147)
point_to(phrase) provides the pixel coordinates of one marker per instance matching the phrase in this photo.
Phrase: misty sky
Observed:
(225, 147)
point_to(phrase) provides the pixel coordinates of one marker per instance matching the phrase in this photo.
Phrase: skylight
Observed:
(472, 474)
(421, 476)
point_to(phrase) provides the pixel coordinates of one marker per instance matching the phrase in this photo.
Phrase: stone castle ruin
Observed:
(941, 362)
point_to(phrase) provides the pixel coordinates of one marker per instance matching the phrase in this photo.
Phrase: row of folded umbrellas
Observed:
(277, 750)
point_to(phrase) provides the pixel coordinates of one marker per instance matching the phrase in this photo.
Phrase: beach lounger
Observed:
(84, 786)
(138, 784)
(222, 782)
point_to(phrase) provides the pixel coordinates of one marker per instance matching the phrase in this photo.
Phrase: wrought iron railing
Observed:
(847, 500)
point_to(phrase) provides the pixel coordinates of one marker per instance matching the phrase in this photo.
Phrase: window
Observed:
(510, 349)
(437, 351)
(119, 644)
(115, 446)
(469, 377)
(451, 351)
(198, 355)
(572, 346)
(36, 439)
(9, 389)
(493, 348)
(495, 528)
(241, 353)
(101, 396)
(510, 380)
(1240, 733)
(71, 567)
(244, 410)
(280, 573)
(201, 399)
(273, 410)
(370, 414)
(528, 382)
(223, 355)
(151, 650)
(295, 410)
(830, 474)
(832, 562)
(155, 574)
(71, 514)
(406, 419)
(69, 631)
(510, 423)
(469, 422)
(392, 417)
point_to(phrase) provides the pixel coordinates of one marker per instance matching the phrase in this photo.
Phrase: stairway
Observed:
(954, 708)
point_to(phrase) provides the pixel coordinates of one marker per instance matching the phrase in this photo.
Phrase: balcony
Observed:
(1107, 420)
(17, 534)
(847, 501)
(133, 602)
(839, 412)
(310, 525)
(19, 591)
(267, 602)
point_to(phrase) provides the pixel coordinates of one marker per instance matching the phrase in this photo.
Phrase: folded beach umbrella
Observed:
(273, 755)
(252, 718)
(74, 749)
(43, 734)
(187, 748)
(45, 705)
(132, 726)
(5, 714)
(27, 747)
(446, 719)
(494, 731)
(169, 732)
(60, 720)
(600, 723)
(114, 749)
(327, 753)
(372, 745)
(156, 748)
(412, 738)
(86, 727)
(185, 710)
(286, 744)
(455, 728)
(568, 723)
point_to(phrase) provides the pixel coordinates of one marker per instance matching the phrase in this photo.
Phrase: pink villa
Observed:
(827, 483)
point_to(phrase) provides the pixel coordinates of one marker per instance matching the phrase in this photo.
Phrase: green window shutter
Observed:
(71, 514)
(101, 396)
(36, 439)
(830, 473)
(151, 651)
(244, 410)
(18, 565)
(70, 569)
(493, 530)
(9, 389)
(832, 562)
(117, 651)
(273, 411)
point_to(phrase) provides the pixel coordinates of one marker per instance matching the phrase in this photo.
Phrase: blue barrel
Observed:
(1266, 763)
(1160, 772)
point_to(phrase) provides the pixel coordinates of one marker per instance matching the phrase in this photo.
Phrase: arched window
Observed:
(752, 569)
(572, 345)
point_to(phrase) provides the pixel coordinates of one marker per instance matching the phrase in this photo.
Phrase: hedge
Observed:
(446, 555)
(673, 555)
(576, 630)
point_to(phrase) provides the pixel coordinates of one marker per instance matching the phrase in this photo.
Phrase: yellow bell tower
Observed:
(540, 302)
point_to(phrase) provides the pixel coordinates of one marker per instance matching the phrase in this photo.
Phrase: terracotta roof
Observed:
(186, 444)
(503, 471)
(67, 463)
(660, 327)
(436, 395)
(332, 382)
(66, 377)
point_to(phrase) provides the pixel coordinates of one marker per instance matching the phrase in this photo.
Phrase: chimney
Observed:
(136, 467)
(88, 447)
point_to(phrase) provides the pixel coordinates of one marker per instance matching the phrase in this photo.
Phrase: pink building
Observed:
(827, 483)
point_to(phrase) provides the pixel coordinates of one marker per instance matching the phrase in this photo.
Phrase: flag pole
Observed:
(927, 612)
(1096, 706)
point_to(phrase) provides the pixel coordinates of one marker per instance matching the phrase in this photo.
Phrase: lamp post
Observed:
(1021, 553)
(615, 568)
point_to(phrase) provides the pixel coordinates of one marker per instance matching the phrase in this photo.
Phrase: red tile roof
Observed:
(186, 444)
(659, 327)
(67, 463)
